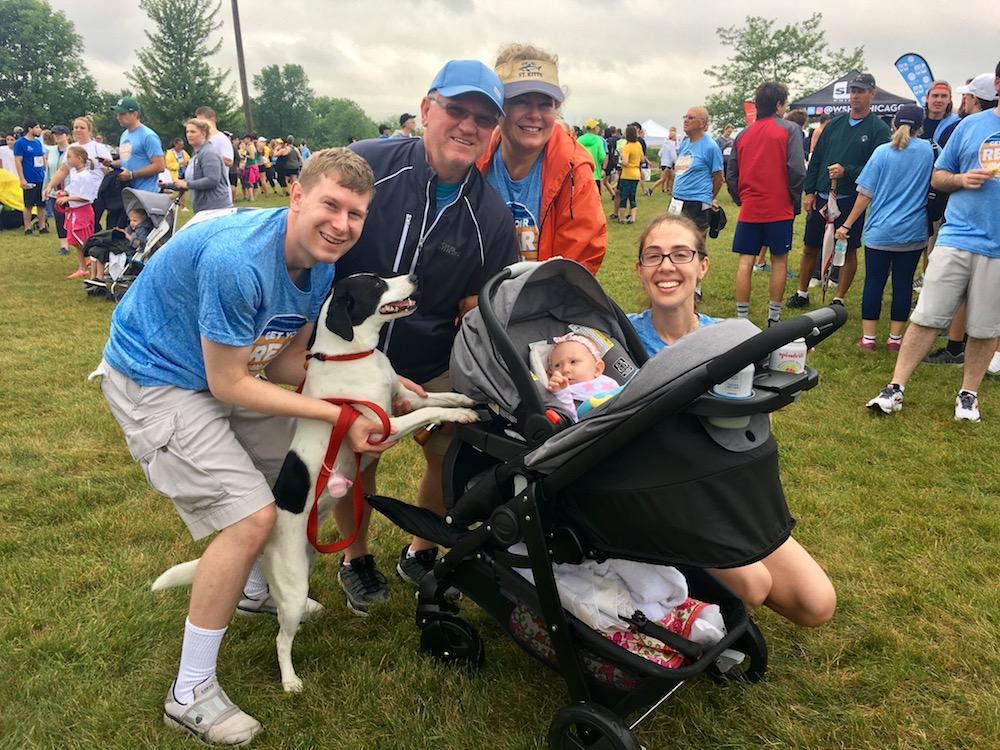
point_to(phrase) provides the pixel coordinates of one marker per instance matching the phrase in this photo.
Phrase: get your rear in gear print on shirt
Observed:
(524, 200)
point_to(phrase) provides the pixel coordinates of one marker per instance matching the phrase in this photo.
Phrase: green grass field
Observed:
(902, 513)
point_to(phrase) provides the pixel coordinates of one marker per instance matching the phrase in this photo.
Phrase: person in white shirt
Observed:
(77, 200)
(7, 155)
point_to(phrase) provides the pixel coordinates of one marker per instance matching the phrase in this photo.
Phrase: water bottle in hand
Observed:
(839, 252)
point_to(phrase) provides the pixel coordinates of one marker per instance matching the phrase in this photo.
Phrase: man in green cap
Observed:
(139, 148)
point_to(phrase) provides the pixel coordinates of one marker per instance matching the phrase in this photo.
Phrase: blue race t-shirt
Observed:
(32, 155)
(224, 279)
(897, 183)
(643, 325)
(524, 200)
(972, 219)
(696, 162)
(137, 149)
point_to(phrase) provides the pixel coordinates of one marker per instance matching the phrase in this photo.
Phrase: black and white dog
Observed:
(346, 331)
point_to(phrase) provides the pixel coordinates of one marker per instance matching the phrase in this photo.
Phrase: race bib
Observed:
(676, 207)
(125, 151)
(39, 162)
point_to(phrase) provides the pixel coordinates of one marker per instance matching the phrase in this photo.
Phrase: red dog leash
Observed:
(348, 415)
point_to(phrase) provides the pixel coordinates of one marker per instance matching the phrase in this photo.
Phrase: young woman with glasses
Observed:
(672, 261)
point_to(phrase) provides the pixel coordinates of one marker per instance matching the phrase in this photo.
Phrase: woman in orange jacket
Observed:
(543, 175)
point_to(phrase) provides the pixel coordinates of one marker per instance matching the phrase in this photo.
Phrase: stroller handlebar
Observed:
(814, 327)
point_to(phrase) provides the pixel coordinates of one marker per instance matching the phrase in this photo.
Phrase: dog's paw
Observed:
(462, 416)
(293, 685)
(457, 400)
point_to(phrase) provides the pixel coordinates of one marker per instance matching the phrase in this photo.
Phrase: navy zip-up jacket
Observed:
(452, 254)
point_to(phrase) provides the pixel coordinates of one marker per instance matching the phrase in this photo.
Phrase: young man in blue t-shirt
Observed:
(29, 160)
(139, 148)
(226, 300)
(965, 264)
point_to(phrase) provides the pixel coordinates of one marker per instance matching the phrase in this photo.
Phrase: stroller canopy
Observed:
(534, 306)
(156, 205)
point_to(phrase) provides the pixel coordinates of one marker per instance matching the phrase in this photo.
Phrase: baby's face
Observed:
(573, 360)
(134, 220)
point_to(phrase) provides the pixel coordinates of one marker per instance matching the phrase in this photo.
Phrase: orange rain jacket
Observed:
(573, 223)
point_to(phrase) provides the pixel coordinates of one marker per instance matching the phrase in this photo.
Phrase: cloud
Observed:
(638, 60)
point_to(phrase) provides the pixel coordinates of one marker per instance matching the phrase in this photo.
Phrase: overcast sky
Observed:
(630, 61)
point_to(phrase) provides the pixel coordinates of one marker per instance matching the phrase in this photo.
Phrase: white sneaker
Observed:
(888, 401)
(993, 368)
(211, 717)
(966, 407)
(267, 606)
(814, 282)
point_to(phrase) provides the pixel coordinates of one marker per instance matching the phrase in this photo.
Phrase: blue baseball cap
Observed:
(468, 77)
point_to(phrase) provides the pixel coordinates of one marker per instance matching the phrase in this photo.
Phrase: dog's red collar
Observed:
(338, 357)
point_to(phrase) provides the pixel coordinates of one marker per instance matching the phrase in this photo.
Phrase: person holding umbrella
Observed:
(841, 152)
(894, 183)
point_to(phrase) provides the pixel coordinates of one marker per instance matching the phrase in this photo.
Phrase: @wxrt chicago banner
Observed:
(917, 74)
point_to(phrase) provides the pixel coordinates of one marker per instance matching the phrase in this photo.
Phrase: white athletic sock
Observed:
(199, 653)
(742, 309)
(803, 295)
(773, 310)
(256, 586)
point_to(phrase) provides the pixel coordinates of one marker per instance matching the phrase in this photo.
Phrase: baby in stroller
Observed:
(576, 374)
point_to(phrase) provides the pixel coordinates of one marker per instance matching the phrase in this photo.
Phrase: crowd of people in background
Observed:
(775, 168)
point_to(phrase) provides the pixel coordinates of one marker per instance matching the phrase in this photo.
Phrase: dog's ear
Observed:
(338, 318)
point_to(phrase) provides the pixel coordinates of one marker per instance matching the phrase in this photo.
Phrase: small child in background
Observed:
(139, 227)
(80, 192)
(576, 374)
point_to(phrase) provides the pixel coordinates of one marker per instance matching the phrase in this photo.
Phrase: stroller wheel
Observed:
(452, 641)
(585, 725)
(753, 666)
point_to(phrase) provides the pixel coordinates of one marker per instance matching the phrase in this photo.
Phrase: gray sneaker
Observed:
(363, 584)
(413, 568)
(944, 357)
(211, 717)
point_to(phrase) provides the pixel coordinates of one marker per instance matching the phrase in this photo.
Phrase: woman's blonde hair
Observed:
(47, 138)
(518, 51)
(901, 137)
(203, 126)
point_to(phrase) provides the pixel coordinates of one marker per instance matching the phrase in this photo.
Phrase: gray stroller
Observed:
(162, 210)
(665, 473)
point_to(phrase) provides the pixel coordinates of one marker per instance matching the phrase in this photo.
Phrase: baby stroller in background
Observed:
(162, 210)
(620, 483)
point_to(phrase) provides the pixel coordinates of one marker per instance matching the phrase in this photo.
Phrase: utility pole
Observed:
(247, 113)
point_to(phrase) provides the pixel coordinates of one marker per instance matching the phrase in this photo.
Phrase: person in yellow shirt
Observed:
(176, 160)
(266, 169)
(631, 158)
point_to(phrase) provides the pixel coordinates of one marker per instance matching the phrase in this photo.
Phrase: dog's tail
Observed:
(179, 575)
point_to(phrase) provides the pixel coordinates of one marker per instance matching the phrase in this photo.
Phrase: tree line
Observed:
(43, 75)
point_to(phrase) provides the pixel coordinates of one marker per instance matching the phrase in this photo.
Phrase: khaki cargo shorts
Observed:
(956, 276)
(217, 462)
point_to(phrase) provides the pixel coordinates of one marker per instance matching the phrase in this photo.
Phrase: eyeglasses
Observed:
(678, 256)
(459, 113)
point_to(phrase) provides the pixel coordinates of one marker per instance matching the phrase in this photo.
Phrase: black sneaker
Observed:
(797, 301)
(27, 232)
(44, 230)
(944, 357)
(838, 302)
(363, 584)
(413, 568)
